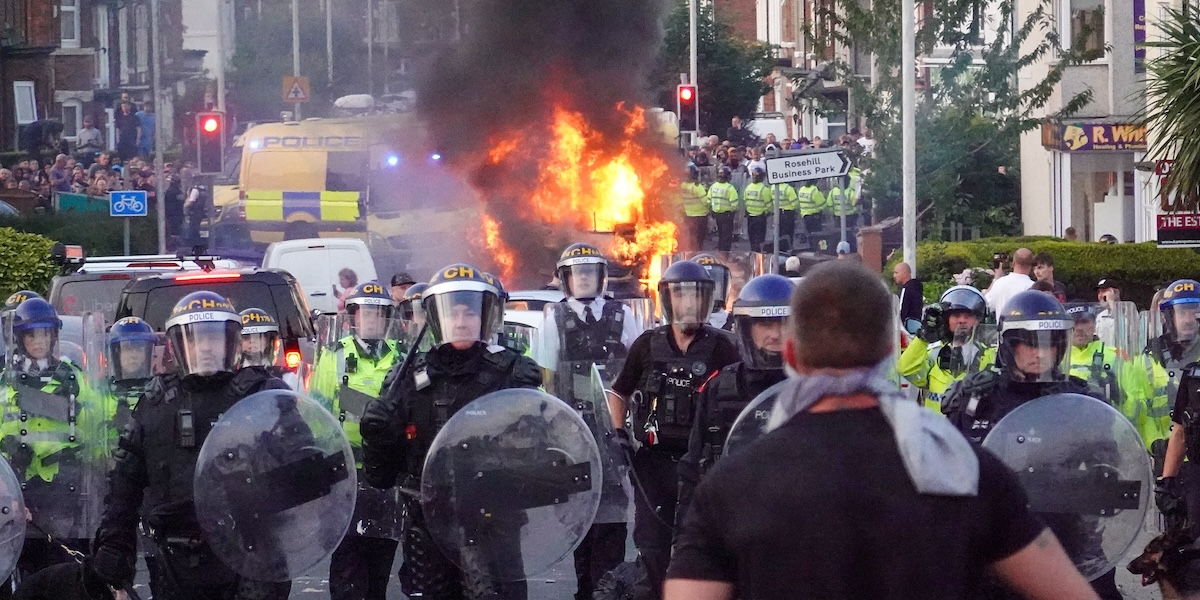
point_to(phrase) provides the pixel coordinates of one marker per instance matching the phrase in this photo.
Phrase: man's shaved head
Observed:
(841, 317)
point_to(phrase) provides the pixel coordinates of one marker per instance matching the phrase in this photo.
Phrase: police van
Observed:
(371, 176)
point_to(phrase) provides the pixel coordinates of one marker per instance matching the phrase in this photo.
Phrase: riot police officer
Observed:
(660, 379)
(948, 345)
(346, 378)
(1174, 355)
(719, 317)
(261, 343)
(398, 427)
(760, 203)
(10, 304)
(1179, 343)
(157, 452)
(129, 354)
(583, 331)
(412, 318)
(52, 434)
(723, 198)
(1033, 361)
(696, 208)
(759, 314)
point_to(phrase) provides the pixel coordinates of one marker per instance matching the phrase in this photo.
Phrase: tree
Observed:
(731, 71)
(970, 114)
(1173, 101)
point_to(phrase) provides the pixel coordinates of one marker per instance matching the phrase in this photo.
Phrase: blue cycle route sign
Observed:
(130, 203)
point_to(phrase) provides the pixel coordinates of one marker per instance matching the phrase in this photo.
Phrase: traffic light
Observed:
(687, 106)
(210, 142)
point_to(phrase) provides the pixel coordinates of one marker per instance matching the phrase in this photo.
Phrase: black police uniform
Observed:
(668, 380)
(720, 402)
(975, 405)
(156, 463)
(581, 342)
(398, 429)
(1186, 413)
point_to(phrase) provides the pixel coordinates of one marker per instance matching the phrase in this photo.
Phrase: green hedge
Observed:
(99, 234)
(24, 262)
(1140, 268)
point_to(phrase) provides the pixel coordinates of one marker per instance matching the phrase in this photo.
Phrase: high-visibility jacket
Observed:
(810, 200)
(1147, 402)
(852, 188)
(345, 367)
(758, 199)
(834, 197)
(695, 199)
(919, 364)
(786, 195)
(39, 433)
(723, 197)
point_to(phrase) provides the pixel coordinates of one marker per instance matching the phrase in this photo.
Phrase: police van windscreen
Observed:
(90, 295)
(244, 294)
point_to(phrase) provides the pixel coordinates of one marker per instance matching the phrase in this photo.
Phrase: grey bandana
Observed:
(939, 460)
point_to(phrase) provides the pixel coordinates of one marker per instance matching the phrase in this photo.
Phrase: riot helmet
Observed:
(369, 307)
(499, 316)
(582, 272)
(35, 326)
(205, 332)
(686, 291)
(1178, 306)
(1084, 315)
(410, 305)
(758, 175)
(759, 320)
(260, 338)
(129, 349)
(17, 298)
(725, 174)
(461, 306)
(720, 276)
(964, 308)
(1035, 333)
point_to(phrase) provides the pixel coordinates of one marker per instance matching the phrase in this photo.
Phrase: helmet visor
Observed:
(1036, 355)
(720, 277)
(1180, 322)
(687, 302)
(206, 347)
(131, 359)
(260, 349)
(584, 280)
(463, 317)
(37, 343)
(370, 322)
(760, 340)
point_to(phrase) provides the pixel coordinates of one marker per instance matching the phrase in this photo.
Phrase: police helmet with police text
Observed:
(582, 272)
(369, 307)
(1179, 308)
(205, 331)
(35, 314)
(1035, 334)
(130, 349)
(260, 338)
(720, 275)
(685, 292)
(759, 316)
(461, 306)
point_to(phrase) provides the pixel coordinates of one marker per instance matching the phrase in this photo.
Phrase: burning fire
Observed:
(589, 183)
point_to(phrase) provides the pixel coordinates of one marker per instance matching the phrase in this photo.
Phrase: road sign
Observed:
(802, 167)
(128, 204)
(296, 89)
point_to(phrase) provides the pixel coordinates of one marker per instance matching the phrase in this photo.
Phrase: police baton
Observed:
(408, 360)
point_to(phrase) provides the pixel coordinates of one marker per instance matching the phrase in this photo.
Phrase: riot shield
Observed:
(1085, 471)
(58, 452)
(521, 339)
(12, 519)
(511, 484)
(275, 485)
(751, 424)
(1174, 343)
(643, 311)
(1103, 362)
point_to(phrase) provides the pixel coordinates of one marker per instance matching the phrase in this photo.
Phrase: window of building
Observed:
(25, 99)
(72, 118)
(1082, 23)
(68, 21)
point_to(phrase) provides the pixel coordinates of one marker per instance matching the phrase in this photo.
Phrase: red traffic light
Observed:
(686, 93)
(211, 124)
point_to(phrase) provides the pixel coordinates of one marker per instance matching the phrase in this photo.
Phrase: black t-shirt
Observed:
(725, 353)
(911, 300)
(823, 508)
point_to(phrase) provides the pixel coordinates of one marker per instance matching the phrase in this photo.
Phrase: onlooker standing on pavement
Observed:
(1071, 235)
(147, 121)
(60, 175)
(856, 492)
(738, 135)
(127, 125)
(912, 293)
(89, 142)
(1043, 269)
(400, 283)
(1108, 293)
(1006, 286)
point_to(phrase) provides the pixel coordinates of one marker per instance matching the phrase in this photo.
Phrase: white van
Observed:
(315, 263)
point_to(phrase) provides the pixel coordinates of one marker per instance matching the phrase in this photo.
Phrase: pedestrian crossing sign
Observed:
(295, 89)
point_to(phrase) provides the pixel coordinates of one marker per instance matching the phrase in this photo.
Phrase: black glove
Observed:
(933, 323)
(1169, 497)
(110, 567)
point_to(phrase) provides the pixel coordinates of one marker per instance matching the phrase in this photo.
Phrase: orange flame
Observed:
(501, 253)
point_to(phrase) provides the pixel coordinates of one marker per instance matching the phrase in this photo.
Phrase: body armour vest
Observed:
(663, 414)
(727, 395)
